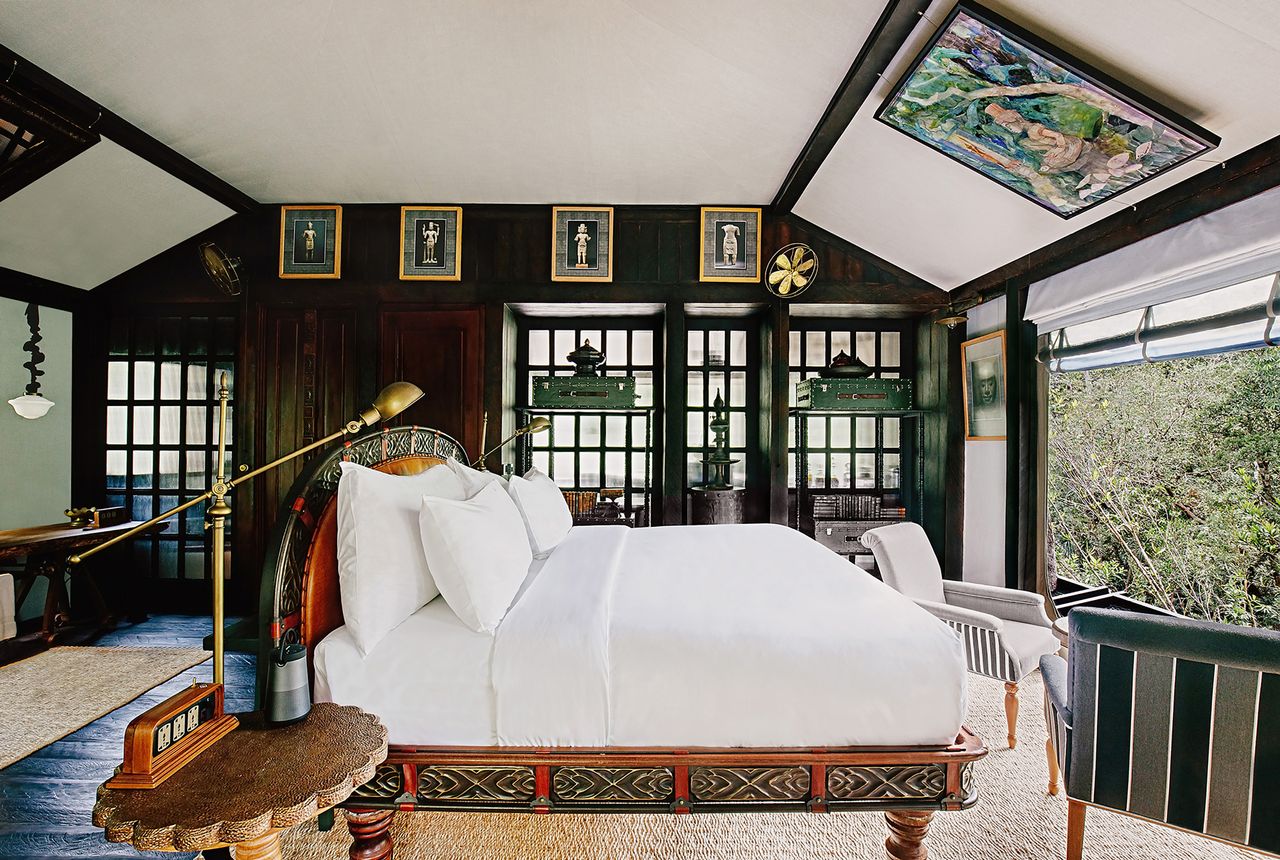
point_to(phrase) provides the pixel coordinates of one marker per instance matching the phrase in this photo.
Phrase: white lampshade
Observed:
(31, 405)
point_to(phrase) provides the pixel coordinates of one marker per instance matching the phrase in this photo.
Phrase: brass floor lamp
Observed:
(390, 402)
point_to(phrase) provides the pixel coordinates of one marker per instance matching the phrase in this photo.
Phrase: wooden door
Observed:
(303, 366)
(442, 352)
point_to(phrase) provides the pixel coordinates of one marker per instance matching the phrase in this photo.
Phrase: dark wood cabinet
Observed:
(442, 352)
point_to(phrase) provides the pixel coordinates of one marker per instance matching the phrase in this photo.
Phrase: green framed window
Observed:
(592, 449)
(848, 452)
(722, 357)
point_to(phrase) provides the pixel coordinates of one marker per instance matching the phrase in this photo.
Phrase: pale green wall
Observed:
(35, 456)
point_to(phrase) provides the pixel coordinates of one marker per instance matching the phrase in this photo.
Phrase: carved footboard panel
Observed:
(628, 780)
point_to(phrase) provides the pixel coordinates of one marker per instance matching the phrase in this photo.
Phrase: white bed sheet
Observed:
(428, 680)
(748, 635)
(680, 636)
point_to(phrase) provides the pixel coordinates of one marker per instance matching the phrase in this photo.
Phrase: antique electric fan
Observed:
(793, 271)
(224, 271)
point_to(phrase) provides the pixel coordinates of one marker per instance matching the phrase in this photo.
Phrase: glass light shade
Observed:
(31, 406)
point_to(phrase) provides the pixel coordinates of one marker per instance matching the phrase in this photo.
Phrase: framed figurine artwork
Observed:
(430, 243)
(984, 388)
(582, 243)
(310, 241)
(729, 244)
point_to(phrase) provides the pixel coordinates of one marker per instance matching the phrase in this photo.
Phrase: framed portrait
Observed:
(1043, 124)
(310, 241)
(582, 243)
(729, 245)
(430, 243)
(984, 387)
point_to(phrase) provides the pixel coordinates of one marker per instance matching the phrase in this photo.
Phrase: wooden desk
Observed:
(250, 786)
(46, 549)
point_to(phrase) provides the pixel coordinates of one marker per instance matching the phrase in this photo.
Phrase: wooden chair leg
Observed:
(1075, 829)
(1053, 767)
(263, 848)
(907, 830)
(370, 833)
(1011, 712)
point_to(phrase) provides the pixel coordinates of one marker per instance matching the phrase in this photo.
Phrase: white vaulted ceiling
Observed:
(609, 101)
(584, 101)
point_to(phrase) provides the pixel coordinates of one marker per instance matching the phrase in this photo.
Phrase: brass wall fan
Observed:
(793, 270)
(223, 270)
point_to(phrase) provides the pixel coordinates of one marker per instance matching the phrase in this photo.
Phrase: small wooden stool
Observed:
(250, 786)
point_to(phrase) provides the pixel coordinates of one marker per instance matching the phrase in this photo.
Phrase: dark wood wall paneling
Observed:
(313, 351)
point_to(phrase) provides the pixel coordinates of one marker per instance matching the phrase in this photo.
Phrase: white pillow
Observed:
(545, 512)
(479, 554)
(383, 576)
(475, 480)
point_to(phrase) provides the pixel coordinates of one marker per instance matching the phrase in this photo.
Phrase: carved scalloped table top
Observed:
(255, 780)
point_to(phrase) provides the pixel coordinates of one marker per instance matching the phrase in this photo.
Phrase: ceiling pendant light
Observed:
(33, 404)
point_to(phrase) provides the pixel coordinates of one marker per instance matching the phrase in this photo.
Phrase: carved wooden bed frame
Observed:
(300, 597)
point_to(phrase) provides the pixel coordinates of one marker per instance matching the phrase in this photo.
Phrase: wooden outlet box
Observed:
(159, 742)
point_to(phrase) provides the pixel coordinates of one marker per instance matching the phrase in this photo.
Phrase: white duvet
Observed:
(750, 635)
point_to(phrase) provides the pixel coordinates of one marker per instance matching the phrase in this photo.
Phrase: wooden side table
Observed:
(250, 786)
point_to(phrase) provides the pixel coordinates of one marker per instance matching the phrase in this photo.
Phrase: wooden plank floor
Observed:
(46, 799)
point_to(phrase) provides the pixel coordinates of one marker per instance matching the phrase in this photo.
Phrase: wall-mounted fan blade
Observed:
(223, 270)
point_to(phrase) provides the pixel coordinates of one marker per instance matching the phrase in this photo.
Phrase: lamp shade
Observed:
(538, 424)
(31, 406)
(396, 398)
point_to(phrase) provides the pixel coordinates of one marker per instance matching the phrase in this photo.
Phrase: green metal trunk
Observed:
(854, 394)
(582, 392)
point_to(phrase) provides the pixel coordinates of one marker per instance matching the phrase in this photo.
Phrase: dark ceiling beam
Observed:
(125, 133)
(1251, 172)
(888, 35)
(22, 287)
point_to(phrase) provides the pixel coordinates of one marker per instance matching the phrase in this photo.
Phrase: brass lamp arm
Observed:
(516, 435)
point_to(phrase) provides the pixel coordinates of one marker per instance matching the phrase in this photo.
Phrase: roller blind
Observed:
(1206, 286)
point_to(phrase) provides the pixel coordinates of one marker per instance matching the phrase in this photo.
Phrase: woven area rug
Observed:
(1015, 818)
(50, 695)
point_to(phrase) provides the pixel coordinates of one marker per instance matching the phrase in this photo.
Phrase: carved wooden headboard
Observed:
(299, 599)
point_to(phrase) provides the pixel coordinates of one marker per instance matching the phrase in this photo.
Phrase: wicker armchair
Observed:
(1171, 720)
(1005, 631)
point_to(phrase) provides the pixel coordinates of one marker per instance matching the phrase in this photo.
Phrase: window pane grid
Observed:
(593, 450)
(717, 361)
(162, 429)
(867, 455)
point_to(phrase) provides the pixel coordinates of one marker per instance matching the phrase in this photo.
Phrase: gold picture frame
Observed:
(725, 231)
(581, 261)
(431, 258)
(985, 376)
(324, 247)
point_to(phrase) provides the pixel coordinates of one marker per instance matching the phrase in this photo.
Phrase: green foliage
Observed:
(1164, 481)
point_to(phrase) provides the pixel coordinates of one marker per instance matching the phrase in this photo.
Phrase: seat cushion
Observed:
(1027, 643)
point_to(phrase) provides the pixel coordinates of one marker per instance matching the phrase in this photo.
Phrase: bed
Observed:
(676, 669)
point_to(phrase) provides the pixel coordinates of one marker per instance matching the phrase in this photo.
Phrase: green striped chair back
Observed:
(1177, 721)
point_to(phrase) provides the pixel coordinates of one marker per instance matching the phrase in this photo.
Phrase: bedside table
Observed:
(250, 786)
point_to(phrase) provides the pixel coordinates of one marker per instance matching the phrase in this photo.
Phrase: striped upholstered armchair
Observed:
(1005, 631)
(1168, 719)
